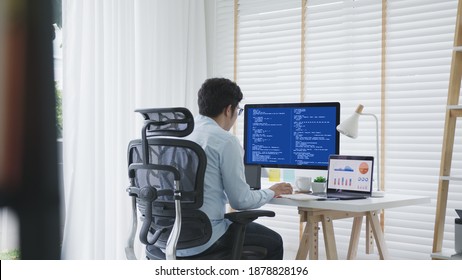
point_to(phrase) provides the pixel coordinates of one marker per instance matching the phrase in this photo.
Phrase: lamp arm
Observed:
(377, 146)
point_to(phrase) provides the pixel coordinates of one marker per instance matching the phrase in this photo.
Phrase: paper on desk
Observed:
(274, 175)
(300, 196)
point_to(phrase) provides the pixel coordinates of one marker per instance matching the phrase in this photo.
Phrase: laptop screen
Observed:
(350, 173)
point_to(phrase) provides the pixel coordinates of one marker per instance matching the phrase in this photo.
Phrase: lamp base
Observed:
(378, 194)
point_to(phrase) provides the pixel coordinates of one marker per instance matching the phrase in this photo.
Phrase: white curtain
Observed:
(118, 56)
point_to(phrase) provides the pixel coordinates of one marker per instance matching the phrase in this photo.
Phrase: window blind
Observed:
(268, 71)
(342, 57)
(223, 47)
(343, 63)
(268, 52)
(419, 48)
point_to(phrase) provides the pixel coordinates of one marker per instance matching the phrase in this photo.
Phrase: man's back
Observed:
(224, 176)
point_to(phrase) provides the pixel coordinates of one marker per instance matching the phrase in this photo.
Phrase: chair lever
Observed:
(133, 191)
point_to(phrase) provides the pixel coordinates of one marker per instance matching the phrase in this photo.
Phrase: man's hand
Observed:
(281, 188)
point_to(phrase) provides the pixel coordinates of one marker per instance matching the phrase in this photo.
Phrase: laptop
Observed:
(349, 177)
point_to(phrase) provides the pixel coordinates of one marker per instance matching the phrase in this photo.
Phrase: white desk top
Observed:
(358, 205)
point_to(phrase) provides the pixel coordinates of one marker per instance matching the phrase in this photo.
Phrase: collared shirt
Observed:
(224, 179)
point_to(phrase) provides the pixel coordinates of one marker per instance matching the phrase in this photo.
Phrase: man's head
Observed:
(217, 95)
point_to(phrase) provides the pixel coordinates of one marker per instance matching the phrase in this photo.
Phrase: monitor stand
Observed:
(253, 176)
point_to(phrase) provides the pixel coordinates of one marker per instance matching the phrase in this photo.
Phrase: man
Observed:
(218, 101)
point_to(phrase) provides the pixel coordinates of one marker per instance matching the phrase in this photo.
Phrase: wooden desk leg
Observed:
(303, 246)
(354, 238)
(378, 234)
(329, 238)
(300, 230)
(369, 237)
(313, 242)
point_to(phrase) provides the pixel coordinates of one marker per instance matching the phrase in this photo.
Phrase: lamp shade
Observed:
(349, 127)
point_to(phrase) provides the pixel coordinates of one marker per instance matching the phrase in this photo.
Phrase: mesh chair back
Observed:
(177, 122)
(159, 160)
(185, 156)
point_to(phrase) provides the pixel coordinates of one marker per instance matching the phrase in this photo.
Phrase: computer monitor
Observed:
(291, 135)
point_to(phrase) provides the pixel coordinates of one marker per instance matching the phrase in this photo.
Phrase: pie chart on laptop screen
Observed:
(363, 168)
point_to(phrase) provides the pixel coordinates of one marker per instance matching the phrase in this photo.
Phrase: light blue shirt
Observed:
(224, 179)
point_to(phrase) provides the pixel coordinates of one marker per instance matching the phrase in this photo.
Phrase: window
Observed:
(338, 53)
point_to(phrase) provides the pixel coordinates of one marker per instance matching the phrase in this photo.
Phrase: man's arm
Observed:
(239, 194)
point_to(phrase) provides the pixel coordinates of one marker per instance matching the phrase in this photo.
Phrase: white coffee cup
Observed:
(303, 184)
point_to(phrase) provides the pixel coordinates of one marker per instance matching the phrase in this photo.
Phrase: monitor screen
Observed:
(291, 135)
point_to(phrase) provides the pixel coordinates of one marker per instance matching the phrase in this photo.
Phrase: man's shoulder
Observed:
(213, 138)
(211, 132)
(206, 126)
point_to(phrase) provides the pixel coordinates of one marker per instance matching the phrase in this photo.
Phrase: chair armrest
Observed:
(240, 220)
(245, 217)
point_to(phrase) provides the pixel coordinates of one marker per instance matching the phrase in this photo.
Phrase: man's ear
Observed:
(228, 110)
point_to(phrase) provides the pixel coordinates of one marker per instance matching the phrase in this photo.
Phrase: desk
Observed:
(325, 212)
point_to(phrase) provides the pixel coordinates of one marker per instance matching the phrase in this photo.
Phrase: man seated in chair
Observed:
(218, 101)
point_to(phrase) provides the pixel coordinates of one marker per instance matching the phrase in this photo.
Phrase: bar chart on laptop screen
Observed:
(350, 175)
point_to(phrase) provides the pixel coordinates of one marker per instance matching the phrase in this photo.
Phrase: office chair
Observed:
(166, 176)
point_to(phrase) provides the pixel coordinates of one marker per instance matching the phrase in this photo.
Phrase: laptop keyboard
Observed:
(346, 196)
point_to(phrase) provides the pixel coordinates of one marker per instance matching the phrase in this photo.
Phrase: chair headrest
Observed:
(176, 121)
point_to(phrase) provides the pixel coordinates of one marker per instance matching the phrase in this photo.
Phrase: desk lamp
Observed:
(349, 127)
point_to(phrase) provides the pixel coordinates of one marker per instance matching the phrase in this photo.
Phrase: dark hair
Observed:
(216, 94)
